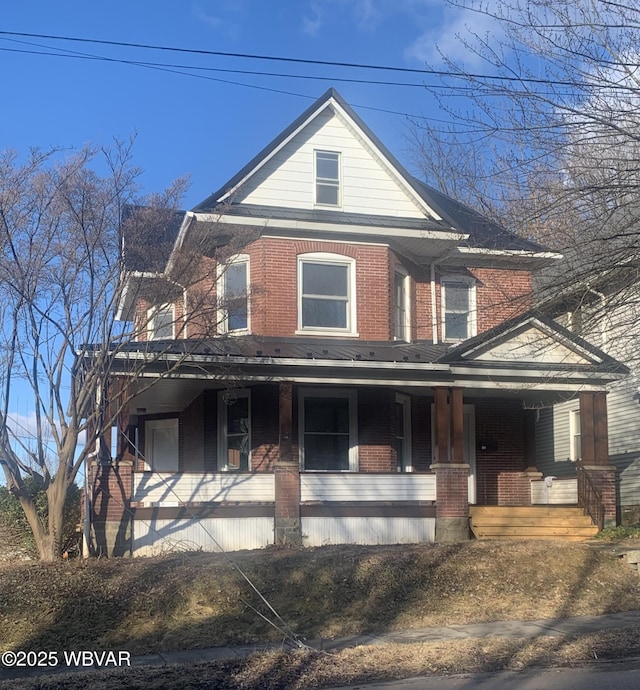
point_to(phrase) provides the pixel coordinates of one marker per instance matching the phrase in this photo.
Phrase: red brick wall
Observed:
(111, 492)
(375, 430)
(499, 467)
(452, 486)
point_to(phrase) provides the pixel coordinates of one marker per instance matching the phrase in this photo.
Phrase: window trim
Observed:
(223, 430)
(405, 464)
(351, 395)
(575, 452)
(406, 297)
(221, 284)
(152, 314)
(470, 282)
(329, 259)
(325, 180)
(166, 423)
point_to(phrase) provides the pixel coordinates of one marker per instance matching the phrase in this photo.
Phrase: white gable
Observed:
(532, 345)
(368, 184)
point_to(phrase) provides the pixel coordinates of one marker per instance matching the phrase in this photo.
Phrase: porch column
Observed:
(287, 475)
(452, 474)
(594, 451)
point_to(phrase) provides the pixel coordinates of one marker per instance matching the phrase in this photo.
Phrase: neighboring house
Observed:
(605, 312)
(375, 367)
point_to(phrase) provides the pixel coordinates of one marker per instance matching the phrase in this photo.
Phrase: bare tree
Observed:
(63, 278)
(548, 141)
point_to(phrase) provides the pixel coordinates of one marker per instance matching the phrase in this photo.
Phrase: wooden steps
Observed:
(531, 522)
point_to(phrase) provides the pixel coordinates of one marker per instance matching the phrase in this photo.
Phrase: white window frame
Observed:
(471, 314)
(221, 286)
(329, 259)
(405, 464)
(223, 430)
(327, 181)
(402, 329)
(152, 315)
(334, 393)
(170, 423)
(575, 446)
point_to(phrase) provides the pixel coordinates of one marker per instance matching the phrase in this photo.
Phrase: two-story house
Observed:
(374, 370)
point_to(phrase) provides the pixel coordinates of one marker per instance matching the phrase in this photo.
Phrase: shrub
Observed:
(12, 516)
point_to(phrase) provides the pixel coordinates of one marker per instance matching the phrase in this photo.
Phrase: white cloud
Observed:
(312, 24)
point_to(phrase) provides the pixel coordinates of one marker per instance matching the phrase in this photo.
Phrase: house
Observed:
(602, 308)
(362, 367)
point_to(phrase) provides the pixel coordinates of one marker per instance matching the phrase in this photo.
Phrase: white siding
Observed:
(366, 185)
(561, 492)
(367, 487)
(151, 537)
(169, 489)
(321, 531)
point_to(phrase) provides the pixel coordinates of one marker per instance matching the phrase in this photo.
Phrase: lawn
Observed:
(200, 600)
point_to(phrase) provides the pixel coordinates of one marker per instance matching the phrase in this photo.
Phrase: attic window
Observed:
(327, 178)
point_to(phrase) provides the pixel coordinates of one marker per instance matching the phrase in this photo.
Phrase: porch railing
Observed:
(590, 497)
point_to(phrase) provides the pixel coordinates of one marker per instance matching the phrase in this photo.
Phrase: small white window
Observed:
(575, 448)
(161, 445)
(327, 169)
(326, 294)
(233, 295)
(401, 305)
(234, 431)
(327, 423)
(458, 308)
(161, 322)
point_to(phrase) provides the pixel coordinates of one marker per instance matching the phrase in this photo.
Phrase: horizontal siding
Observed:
(210, 534)
(322, 531)
(367, 187)
(552, 440)
(561, 492)
(628, 476)
(164, 488)
(367, 487)
(623, 411)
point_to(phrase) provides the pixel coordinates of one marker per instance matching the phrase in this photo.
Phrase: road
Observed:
(621, 676)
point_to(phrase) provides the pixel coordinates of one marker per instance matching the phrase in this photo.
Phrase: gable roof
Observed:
(441, 213)
(148, 237)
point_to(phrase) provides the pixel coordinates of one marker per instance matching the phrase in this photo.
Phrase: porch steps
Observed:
(531, 522)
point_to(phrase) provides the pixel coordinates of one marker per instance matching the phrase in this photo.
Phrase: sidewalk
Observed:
(508, 629)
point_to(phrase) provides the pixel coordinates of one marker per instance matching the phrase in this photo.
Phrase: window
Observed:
(326, 291)
(161, 445)
(458, 307)
(575, 448)
(402, 434)
(160, 321)
(233, 295)
(327, 178)
(328, 430)
(234, 427)
(401, 305)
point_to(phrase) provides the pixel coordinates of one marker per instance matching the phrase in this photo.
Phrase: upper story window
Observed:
(233, 295)
(327, 169)
(401, 305)
(160, 322)
(326, 294)
(458, 308)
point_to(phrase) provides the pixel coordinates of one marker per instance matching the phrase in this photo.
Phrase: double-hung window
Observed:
(327, 425)
(234, 431)
(327, 174)
(326, 294)
(401, 305)
(233, 295)
(160, 322)
(458, 308)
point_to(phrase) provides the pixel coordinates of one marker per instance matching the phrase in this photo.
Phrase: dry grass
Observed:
(199, 600)
(306, 671)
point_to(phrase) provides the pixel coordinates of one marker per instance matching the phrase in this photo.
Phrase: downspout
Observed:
(434, 315)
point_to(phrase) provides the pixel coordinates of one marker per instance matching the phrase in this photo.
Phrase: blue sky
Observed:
(205, 128)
